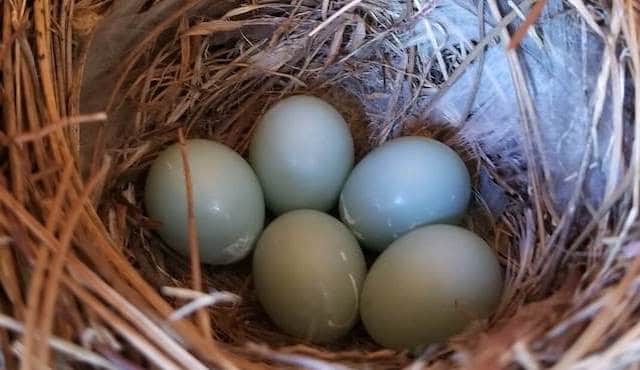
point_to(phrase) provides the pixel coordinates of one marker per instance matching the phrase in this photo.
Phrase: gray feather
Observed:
(561, 71)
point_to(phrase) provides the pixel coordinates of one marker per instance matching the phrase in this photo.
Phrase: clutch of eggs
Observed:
(310, 276)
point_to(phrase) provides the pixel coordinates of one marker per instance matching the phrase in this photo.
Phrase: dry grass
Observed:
(82, 273)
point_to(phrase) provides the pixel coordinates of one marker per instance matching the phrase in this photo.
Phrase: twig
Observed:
(70, 349)
(204, 301)
(41, 19)
(126, 331)
(334, 16)
(194, 251)
(137, 318)
(58, 125)
(299, 361)
(533, 15)
(55, 271)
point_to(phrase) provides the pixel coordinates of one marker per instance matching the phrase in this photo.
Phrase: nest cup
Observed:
(537, 97)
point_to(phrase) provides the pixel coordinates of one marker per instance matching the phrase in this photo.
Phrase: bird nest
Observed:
(537, 96)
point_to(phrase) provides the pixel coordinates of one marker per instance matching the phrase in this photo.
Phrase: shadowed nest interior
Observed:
(92, 90)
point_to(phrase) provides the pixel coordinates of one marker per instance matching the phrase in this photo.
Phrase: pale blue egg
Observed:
(227, 198)
(302, 151)
(403, 184)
